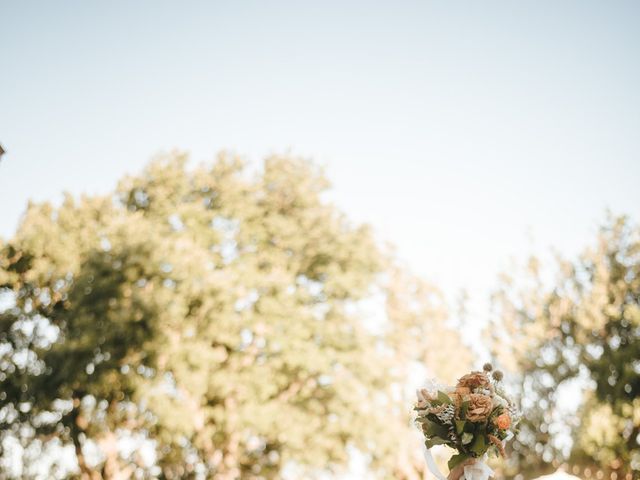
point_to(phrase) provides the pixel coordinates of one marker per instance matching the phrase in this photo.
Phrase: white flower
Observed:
(498, 400)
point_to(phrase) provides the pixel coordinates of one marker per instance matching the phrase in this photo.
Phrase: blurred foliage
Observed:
(217, 316)
(579, 332)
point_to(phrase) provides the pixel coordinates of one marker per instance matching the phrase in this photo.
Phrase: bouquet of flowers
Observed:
(474, 418)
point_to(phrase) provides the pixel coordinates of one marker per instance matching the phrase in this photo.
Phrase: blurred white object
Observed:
(478, 470)
(558, 475)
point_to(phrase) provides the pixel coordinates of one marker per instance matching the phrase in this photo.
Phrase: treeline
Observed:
(216, 322)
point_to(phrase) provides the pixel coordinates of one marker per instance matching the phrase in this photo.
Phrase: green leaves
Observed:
(432, 429)
(479, 446)
(443, 398)
(456, 460)
(432, 442)
(464, 407)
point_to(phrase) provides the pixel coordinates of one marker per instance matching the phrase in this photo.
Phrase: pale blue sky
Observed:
(465, 132)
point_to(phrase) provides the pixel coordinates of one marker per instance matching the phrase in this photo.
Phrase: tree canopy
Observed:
(579, 332)
(213, 320)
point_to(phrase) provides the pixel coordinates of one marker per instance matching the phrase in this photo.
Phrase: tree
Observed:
(585, 329)
(209, 317)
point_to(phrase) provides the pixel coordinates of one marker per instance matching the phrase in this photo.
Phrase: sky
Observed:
(467, 133)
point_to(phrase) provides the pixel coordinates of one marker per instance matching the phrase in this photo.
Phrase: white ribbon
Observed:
(476, 471)
(431, 463)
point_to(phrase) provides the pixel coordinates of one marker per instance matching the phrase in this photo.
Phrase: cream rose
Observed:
(480, 407)
(474, 380)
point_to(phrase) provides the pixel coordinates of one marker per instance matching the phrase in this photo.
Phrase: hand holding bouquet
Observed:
(475, 418)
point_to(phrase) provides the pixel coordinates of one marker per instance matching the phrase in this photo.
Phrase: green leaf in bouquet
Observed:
(460, 426)
(432, 442)
(464, 407)
(426, 425)
(444, 398)
(467, 438)
(479, 446)
(457, 460)
(432, 429)
(470, 427)
(422, 419)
